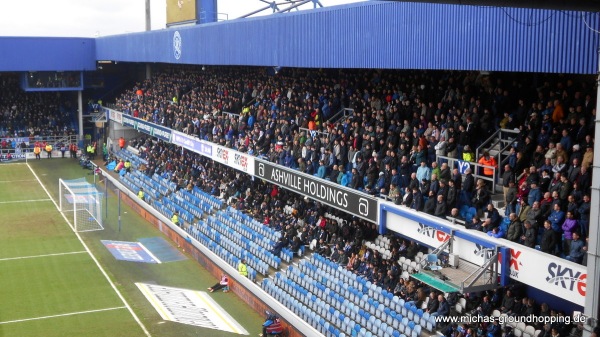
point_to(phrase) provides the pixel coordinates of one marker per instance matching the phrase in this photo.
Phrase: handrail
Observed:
(313, 132)
(502, 135)
(491, 263)
(230, 114)
(343, 112)
(475, 167)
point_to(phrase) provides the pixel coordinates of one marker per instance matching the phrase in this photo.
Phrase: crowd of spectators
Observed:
(342, 243)
(401, 121)
(26, 114)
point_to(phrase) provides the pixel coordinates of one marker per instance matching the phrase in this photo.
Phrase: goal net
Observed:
(81, 203)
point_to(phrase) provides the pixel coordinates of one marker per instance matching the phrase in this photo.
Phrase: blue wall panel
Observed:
(47, 54)
(381, 35)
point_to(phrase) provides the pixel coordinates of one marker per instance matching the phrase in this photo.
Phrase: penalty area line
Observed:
(61, 315)
(18, 201)
(45, 255)
(16, 181)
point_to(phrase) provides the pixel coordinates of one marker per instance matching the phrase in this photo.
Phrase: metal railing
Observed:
(25, 152)
(475, 167)
(500, 141)
(314, 133)
(230, 114)
(344, 112)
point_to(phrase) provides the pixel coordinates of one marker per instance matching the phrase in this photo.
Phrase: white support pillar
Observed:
(592, 292)
(80, 112)
(148, 17)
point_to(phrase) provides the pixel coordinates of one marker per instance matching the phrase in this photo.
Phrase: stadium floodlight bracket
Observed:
(283, 6)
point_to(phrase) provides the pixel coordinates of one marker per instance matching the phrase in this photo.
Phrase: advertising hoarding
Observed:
(345, 199)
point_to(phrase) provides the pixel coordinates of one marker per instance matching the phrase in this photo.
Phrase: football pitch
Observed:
(55, 282)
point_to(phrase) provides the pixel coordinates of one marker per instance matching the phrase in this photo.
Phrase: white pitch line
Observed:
(15, 181)
(18, 201)
(61, 315)
(135, 317)
(37, 256)
(150, 253)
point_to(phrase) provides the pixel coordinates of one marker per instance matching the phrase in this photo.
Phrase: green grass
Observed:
(62, 284)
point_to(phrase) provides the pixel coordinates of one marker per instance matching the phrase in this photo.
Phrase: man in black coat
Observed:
(429, 207)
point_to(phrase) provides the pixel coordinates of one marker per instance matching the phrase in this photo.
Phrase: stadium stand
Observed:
(391, 128)
(337, 299)
(31, 114)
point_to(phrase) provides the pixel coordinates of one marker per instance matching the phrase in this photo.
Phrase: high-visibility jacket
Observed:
(37, 150)
(243, 269)
(175, 219)
(468, 156)
(127, 164)
(90, 149)
(490, 161)
(121, 142)
(48, 148)
(141, 194)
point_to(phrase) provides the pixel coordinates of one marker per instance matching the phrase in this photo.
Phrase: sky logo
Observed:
(433, 233)
(567, 278)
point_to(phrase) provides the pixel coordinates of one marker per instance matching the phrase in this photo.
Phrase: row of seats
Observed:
(249, 233)
(372, 298)
(147, 182)
(305, 313)
(358, 305)
(354, 280)
(172, 204)
(409, 265)
(249, 243)
(194, 200)
(344, 314)
(165, 183)
(339, 220)
(520, 329)
(164, 210)
(227, 240)
(135, 160)
(249, 221)
(385, 253)
(237, 245)
(135, 183)
(223, 253)
(207, 198)
(256, 230)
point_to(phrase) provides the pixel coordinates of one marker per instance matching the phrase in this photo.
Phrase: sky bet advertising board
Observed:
(555, 276)
(323, 191)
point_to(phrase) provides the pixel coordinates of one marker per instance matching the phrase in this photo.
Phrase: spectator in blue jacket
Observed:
(496, 233)
(322, 171)
(556, 218)
(577, 249)
(443, 307)
(535, 194)
(494, 329)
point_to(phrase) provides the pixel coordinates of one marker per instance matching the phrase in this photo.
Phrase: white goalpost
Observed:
(81, 203)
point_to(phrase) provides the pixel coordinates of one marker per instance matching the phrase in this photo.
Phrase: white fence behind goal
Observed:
(81, 203)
